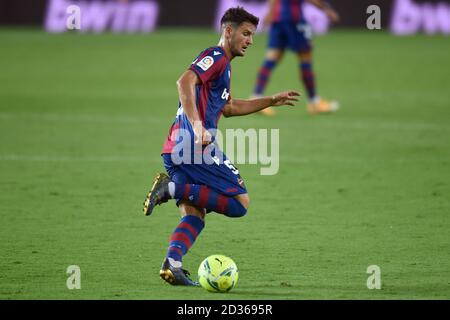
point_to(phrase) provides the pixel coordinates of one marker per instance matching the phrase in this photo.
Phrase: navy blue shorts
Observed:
(294, 36)
(223, 178)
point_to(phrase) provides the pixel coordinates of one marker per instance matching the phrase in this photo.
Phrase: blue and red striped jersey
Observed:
(288, 11)
(213, 68)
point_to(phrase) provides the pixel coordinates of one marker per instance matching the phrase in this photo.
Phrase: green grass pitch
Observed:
(82, 122)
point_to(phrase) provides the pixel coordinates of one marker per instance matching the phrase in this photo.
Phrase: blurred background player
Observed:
(288, 29)
(200, 186)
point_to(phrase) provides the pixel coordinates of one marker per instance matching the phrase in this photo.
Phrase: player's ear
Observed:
(228, 30)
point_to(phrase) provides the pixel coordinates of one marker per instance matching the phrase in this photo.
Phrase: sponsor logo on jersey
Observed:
(225, 94)
(216, 53)
(206, 63)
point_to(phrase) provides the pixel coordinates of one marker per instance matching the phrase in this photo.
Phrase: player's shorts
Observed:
(294, 36)
(223, 178)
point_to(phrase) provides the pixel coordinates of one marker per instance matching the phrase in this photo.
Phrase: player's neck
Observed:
(226, 48)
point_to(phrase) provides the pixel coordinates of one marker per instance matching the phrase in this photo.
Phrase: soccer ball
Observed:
(218, 273)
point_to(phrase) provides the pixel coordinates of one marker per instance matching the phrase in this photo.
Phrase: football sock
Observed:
(183, 238)
(204, 197)
(263, 76)
(171, 189)
(307, 76)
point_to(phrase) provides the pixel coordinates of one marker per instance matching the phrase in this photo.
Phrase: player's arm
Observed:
(186, 91)
(327, 8)
(237, 107)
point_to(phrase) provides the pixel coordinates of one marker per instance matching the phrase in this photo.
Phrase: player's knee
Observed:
(274, 55)
(244, 203)
(187, 208)
(305, 56)
(243, 199)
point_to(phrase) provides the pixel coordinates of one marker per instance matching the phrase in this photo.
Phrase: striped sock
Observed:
(307, 76)
(184, 236)
(263, 76)
(204, 197)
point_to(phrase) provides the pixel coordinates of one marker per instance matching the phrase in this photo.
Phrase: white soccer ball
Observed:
(218, 273)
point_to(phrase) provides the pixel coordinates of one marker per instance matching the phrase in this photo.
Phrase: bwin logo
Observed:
(225, 94)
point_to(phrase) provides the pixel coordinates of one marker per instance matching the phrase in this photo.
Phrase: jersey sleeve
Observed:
(209, 65)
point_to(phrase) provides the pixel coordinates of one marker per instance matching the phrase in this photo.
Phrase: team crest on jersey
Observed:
(206, 63)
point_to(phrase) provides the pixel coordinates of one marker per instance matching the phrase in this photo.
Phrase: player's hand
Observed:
(285, 98)
(202, 136)
(332, 15)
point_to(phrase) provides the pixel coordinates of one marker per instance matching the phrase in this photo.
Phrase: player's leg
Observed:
(218, 187)
(210, 186)
(300, 42)
(272, 57)
(244, 199)
(306, 73)
(316, 104)
(181, 240)
(274, 53)
(205, 197)
(201, 196)
(186, 231)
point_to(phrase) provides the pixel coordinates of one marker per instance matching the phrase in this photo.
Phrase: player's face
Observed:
(242, 38)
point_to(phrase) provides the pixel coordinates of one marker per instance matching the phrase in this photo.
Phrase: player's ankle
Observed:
(175, 263)
(314, 100)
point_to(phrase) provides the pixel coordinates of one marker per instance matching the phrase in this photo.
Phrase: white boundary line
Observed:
(104, 118)
(83, 118)
(56, 158)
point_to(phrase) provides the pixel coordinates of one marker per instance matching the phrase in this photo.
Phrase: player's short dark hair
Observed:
(237, 16)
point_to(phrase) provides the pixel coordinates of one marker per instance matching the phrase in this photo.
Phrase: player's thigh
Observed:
(299, 37)
(188, 208)
(174, 172)
(222, 177)
(277, 38)
(244, 199)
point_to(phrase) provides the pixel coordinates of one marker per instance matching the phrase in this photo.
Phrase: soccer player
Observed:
(289, 30)
(204, 186)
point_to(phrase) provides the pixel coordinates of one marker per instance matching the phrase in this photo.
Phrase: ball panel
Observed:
(218, 273)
